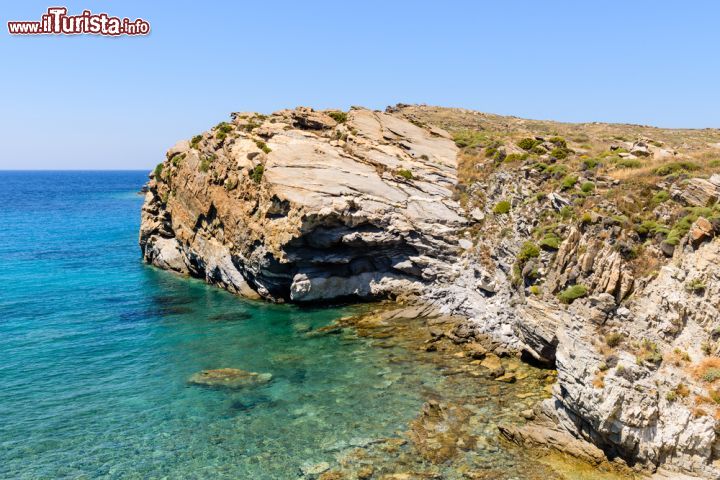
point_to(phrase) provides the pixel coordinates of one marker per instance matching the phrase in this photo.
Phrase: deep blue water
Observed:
(96, 349)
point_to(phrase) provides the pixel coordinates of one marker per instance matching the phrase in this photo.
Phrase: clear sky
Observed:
(89, 102)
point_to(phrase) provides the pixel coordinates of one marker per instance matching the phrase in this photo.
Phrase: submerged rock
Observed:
(441, 432)
(229, 378)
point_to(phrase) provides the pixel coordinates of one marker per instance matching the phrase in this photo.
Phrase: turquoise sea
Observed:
(96, 349)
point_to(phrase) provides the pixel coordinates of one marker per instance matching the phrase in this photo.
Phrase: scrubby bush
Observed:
(568, 182)
(406, 174)
(338, 116)
(711, 374)
(590, 163)
(222, 129)
(559, 153)
(649, 352)
(502, 207)
(676, 167)
(550, 241)
(566, 212)
(614, 339)
(587, 187)
(651, 227)
(695, 285)
(195, 141)
(469, 138)
(628, 163)
(682, 227)
(527, 251)
(558, 142)
(572, 293)
(257, 173)
(528, 143)
(660, 197)
(516, 157)
(263, 146)
(176, 160)
(158, 171)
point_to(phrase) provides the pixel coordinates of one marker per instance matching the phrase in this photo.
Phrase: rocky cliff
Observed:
(589, 248)
(300, 206)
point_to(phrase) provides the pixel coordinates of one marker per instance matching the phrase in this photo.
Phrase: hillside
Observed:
(587, 248)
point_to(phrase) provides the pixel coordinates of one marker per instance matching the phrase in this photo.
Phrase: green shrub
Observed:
(572, 293)
(587, 218)
(257, 173)
(469, 138)
(224, 127)
(516, 157)
(695, 285)
(559, 153)
(176, 160)
(590, 163)
(502, 207)
(528, 143)
(568, 182)
(711, 374)
(671, 396)
(660, 197)
(587, 187)
(527, 251)
(158, 171)
(676, 167)
(231, 184)
(195, 141)
(550, 241)
(651, 227)
(649, 352)
(682, 227)
(628, 163)
(566, 212)
(338, 116)
(406, 174)
(558, 142)
(614, 339)
(556, 170)
(263, 146)
(205, 163)
(535, 290)
(541, 166)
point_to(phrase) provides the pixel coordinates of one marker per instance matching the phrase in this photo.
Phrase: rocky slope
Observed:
(590, 248)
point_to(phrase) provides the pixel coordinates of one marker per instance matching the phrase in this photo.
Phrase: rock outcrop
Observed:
(298, 206)
(621, 297)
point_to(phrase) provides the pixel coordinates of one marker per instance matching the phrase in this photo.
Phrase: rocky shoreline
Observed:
(486, 391)
(587, 253)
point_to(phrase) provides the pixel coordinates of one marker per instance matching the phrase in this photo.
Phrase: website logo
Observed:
(57, 22)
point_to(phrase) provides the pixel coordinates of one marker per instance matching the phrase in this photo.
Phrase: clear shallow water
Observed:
(96, 348)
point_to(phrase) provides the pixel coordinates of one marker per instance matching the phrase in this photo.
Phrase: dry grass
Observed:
(677, 357)
(708, 370)
(599, 380)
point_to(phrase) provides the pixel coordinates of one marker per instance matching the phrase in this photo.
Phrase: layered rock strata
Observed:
(298, 206)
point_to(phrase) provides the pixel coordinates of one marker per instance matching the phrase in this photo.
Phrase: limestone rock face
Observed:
(298, 207)
(699, 192)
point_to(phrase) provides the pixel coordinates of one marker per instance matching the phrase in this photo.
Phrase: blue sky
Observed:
(90, 102)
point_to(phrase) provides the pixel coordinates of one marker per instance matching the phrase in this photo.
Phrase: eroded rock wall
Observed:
(299, 206)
